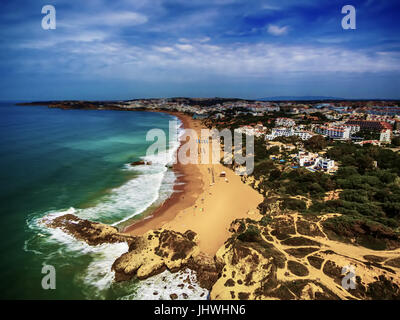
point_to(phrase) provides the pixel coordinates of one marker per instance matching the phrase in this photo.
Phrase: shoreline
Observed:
(202, 201)
(187, 187)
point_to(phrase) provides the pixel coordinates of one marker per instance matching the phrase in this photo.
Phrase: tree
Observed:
(316, 143)
(396, 141)
(275, 174)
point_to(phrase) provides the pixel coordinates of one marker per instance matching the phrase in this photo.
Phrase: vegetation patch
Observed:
(297, 268)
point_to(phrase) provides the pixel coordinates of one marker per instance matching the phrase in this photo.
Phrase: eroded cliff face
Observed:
(286, 256)
(291, 257)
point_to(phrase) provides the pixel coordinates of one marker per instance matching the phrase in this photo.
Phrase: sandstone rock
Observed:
(140, 163)
(207, 269)
(92, 233)
(154, 252)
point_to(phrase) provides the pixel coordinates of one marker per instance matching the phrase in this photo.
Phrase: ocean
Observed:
(55, 161)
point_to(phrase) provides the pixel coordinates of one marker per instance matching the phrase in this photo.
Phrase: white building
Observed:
(313, 161)
(257, 131)
(284, 122)
(334, 132)
(386, 136)
(280, 132)
(353, 128)
(303, 135)
(289, 132)
(306, 159)
(219, 116)
(273, 109)
(326, 164)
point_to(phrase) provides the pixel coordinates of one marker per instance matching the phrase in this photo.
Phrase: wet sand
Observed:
(188, 186)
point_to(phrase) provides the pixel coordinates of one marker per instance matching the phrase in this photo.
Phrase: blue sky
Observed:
(232, 48)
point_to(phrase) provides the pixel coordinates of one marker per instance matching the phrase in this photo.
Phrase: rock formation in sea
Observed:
(141, 163)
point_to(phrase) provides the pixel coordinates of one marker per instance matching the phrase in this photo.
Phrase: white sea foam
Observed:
(153, 183)
(98, 276)
(161, 286)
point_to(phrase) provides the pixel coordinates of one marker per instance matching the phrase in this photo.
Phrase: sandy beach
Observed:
(203, 201)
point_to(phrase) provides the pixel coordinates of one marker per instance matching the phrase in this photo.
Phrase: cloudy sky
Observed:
(125, 49)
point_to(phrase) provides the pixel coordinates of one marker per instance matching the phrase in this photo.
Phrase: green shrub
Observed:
(293, 204)
(252, 234)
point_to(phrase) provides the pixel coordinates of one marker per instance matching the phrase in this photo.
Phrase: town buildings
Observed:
(288, 132)
(334, 132)
(313, 161)
(370, 125)
(285, 122)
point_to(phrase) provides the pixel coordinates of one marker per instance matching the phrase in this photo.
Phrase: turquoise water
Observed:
(53, 161)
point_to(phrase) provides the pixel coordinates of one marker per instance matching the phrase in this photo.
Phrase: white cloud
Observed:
(201, 40)
(184, 40)
(124, 18)
(54, 40)
(276, 30)
(182, 60)
(164, 49)
(184, 47)
(252, 60)
(110, 18)
(205, 39)
(270, 7)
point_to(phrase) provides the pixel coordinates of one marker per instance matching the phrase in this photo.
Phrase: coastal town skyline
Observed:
(142, 49)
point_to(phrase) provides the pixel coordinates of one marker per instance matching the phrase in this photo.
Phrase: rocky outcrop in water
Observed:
(140, 163)
(92, 233)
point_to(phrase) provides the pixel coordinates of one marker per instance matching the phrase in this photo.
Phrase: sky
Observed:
(125, 49)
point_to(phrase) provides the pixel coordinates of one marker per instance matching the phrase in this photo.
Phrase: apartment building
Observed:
(385, 136)
(289, 132)
(334, 132)
(370, 125)
(284, 122)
